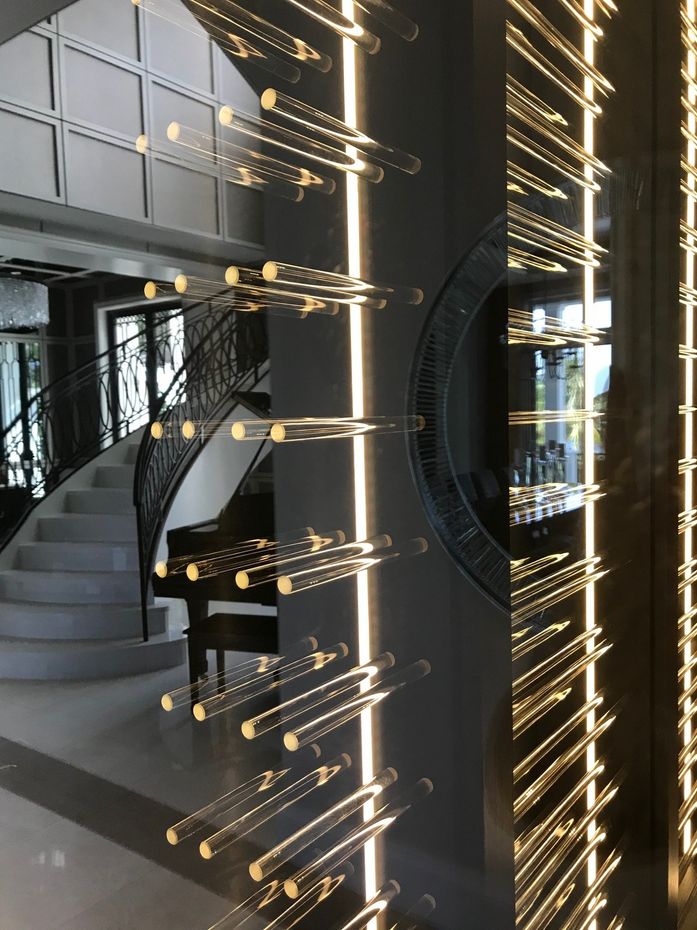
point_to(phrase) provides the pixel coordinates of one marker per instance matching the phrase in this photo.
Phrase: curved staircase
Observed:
(70, 607)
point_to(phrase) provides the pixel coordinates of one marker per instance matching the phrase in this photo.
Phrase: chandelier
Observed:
(23, 304)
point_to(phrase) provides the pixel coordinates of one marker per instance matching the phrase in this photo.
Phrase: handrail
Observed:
(228, 360)
(73, 419)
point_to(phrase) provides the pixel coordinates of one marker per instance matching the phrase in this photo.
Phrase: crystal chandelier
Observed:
(23, 304)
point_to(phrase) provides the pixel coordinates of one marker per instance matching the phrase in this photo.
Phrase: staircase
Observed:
(70, 607)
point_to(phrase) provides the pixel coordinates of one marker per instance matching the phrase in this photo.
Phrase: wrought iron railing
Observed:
(232, 358)
(77, 416)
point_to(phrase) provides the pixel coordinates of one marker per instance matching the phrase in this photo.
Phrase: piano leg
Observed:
(220, 663)
(198, 663)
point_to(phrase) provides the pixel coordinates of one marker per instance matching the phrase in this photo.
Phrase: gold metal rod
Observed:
(332, 720)
(273, 101)
(517, 177)
(297, 276)
(413, 920)
(232, 170)
(539, 639)
(550, 159)
(521, 260)
(518, 41)
(270, 571)
(560, 43)
(535, 606)
(586, 905)
(535, 504)
(577, 10)
(533, 417)
(518, 91)
(530, 846)
(566, 575)
(223, 152)
(311, 428)
(566, 653)
(532, 713)
(356, 840)
(250, 909)
(394, 19)
(246, 671)
(202, 819)
(554, 230)
(178, 564)
(290, 671)
(318, 574)
(295, 914)
(554, 900)
(260, 814)
(267, 32)
(299, 144)
(524, 568)
(242, 44)
(294, 844)
(536, 791)
(533, 759)
(373, 909)
(246, 280)
(327, 15)
(527, 711)
(205, 568)
(528, 890)
(530, 118)
(360, 676)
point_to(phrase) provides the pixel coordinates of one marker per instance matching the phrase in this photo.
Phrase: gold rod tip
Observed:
(291, 889)
(150, 290)
(188, 429)
(256, 872)
(142, 144)
(192, 572)
(174, 131)
(157, 430)
(232, 275)
(181, 284)
(161, 569)
(248, 730)
(269, 98)
(226, 116)
(167, 702)
(278, 432)
(205, 850)
(270, 271)
(238, 431)
(242, 580)
(199, 712)
(172, 837)
(292, 744)
(285, 584)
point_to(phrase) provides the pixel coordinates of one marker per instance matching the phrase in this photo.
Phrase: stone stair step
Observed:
(114, 476)
(100, 500)
(88, 528)
(37, 659)
(23, 620)
(78, 557)
(70, 587)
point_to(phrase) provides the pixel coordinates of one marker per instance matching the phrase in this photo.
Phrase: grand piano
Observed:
(248, 515)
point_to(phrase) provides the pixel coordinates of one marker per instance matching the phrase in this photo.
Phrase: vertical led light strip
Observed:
(355, 268)
(690, 216)
(589, 431)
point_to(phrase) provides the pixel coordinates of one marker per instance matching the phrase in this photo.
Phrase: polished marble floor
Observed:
(91, 776)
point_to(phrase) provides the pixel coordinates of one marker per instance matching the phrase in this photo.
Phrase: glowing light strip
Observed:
(589, 430)
(690, 217)
(355, 269)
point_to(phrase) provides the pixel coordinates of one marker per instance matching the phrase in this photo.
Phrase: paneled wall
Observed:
(76, 92)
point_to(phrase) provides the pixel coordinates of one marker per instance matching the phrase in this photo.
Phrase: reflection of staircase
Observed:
(70, 607)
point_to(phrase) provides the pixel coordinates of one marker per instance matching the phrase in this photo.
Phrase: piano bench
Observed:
(229, 633)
